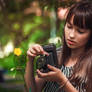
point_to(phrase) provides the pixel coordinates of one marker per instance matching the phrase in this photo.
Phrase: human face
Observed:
(76, 37)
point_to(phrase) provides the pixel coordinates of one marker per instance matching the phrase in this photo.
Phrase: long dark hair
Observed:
(82, 13)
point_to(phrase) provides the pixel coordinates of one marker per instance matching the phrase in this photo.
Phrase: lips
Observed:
(71, 42)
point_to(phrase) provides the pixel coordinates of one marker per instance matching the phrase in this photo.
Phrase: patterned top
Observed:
(54, 87)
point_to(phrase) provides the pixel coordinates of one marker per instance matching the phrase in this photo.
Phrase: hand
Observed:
(35, 50)
(55, 75)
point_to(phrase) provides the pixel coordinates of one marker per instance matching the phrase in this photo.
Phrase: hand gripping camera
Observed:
(43, 60)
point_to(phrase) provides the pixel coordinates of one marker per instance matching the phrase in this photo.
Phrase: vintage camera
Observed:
(43, 60)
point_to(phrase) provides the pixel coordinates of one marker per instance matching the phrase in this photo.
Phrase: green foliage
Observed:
(37, 35)
(23, 29)
(7, 62)
(16, 26)
(56, 3)
(38, 20)
(8, 90)
(4, 38)
(33, 31)
(61, 29)
(11, 16)
(29, 25)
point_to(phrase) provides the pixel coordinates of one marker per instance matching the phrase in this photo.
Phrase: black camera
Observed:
(43, 60)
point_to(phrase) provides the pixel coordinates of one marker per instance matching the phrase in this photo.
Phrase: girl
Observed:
(74, 59)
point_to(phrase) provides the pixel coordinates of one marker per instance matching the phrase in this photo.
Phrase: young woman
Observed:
(74, 59)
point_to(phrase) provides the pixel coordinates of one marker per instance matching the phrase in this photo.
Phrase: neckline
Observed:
(67, 66)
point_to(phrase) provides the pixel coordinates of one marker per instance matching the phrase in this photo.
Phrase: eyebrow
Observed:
(76, 26)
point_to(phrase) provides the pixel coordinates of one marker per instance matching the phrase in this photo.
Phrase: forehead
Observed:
(71, 22)
(77, 21)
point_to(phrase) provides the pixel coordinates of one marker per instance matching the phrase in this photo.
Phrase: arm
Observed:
(32, 81)
(68, 87)
(57, 76)
(29, 77)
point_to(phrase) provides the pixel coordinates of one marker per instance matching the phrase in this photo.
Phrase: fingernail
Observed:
(47, 54)
(37, 70)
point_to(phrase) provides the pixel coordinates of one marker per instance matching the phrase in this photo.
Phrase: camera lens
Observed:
(41, 62)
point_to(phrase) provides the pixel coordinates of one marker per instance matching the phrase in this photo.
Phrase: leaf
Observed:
(16, 26)
(27, 28)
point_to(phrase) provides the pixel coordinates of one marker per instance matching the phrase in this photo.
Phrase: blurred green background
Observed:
(23, 23)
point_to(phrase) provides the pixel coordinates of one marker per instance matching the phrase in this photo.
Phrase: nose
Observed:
(72, 34)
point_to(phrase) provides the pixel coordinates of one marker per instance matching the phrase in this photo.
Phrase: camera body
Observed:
(43, 60)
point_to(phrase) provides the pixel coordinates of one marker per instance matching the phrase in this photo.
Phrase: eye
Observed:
(80, 31)
(69, 26)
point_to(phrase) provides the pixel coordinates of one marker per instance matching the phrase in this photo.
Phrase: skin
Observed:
(80, 38)
(78, 35)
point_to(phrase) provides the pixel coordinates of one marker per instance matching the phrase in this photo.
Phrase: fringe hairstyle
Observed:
(82, 13)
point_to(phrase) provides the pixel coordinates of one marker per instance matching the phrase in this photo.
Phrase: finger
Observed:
(40, 74)
(52, 68)
(32, 51)
(30, 54)
(36, 47)
(41, 50)
(46, 53)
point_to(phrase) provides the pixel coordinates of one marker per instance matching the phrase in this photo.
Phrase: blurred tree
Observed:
(26, 21)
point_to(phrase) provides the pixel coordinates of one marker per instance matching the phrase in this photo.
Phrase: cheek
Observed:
(82, 40)
(66, 33)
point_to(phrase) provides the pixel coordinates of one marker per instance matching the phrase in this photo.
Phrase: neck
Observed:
(75, 53)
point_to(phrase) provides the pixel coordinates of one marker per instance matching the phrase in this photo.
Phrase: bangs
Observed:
(82, 18)
(79, 21)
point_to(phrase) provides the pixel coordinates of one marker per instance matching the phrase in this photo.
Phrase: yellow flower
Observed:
(17, 51)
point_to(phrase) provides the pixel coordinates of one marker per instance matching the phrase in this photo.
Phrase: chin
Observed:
(72, 46)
